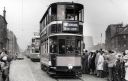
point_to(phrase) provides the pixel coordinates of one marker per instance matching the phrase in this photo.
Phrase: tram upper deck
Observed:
(63, 17)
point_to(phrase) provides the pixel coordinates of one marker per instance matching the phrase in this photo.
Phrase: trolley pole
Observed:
(101, 41)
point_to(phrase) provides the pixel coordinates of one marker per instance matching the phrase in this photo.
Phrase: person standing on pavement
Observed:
(118, 69)
(126, 65)
(5, 69)
(105, 71)
(89, 62)
(123, 67)
(85, 62)
(96, 60)
(1, 70)
(100, 64)
(111, 62)
(93, 62)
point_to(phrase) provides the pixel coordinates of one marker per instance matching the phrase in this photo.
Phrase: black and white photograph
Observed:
(63, 40)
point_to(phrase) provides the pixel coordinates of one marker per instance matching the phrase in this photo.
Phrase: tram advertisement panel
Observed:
(70, 26)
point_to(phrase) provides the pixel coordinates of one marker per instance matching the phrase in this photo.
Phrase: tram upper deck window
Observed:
(33, 40)
(37, 39)
(53, 12)
(36, 50)
(69, 12)
(60, 12)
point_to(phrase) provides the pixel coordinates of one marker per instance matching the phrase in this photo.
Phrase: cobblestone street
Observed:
(26, 70)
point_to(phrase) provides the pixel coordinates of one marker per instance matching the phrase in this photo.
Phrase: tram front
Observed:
(66, 39)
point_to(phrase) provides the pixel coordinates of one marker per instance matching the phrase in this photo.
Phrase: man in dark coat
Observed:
(85, 62)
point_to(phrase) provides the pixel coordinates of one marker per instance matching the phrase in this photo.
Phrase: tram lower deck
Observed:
(64, 55)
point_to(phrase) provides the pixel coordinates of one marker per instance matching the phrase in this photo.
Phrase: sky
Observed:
(23, 16)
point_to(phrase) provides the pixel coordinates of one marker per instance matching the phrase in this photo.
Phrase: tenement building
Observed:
(3, 31)
(12, 45)
(116, 37)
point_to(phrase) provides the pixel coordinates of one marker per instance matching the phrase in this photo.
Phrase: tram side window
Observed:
(53, 12)
(81, 15)
(78, 46)
(43, 24)
(47, 19)
(53, 47)
(49, 15)
(81, 29)
(53, 28)
(33, 40)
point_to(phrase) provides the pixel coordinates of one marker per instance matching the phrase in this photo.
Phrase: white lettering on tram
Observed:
(71, 24)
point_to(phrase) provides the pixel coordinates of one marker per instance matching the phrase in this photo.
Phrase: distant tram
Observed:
(34, 54)
(61, 34)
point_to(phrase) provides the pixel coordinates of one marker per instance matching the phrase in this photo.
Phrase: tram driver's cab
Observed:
(65, 45)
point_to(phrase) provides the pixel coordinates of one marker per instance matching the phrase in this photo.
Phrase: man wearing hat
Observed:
(126, 65)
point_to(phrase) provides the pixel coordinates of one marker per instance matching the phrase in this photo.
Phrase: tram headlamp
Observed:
(49, 63)
(70, 67)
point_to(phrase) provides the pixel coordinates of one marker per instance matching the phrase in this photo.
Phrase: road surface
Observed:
(26, 70)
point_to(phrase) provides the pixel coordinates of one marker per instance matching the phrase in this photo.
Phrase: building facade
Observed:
(12, 45)
(88, 41)
(3, 31)
(117, 37)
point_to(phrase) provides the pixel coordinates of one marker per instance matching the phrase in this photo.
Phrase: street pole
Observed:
(12, 43)
(101, 40)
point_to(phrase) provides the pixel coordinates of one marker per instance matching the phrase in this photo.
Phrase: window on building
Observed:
(124, 36)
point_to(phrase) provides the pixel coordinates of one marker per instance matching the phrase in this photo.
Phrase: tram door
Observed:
(62, 46)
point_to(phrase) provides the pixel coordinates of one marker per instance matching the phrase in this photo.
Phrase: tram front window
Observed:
(70, 49)
(78, 46)
(61, 46)
(36, 50)
(69, 46)
(69, 12)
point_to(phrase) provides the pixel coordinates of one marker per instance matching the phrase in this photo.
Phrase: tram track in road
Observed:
(69, 79)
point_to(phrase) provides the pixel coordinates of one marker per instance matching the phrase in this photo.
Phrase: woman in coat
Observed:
(100, 64)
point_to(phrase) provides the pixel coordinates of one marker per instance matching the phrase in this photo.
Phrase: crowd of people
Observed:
(110, 64)
(5, 60)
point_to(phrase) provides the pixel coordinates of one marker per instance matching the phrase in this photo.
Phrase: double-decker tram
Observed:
(61, 34)
(34, 54)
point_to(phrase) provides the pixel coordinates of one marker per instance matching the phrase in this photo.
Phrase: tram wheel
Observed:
(51, 72)
(43, 67)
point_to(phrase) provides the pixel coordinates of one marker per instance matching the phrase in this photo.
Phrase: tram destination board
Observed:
(70, 26)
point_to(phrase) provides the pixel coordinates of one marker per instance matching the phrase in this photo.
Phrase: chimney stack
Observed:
(4, 13)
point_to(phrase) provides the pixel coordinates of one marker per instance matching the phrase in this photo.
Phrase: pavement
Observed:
(26, 70)
(20, 71)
